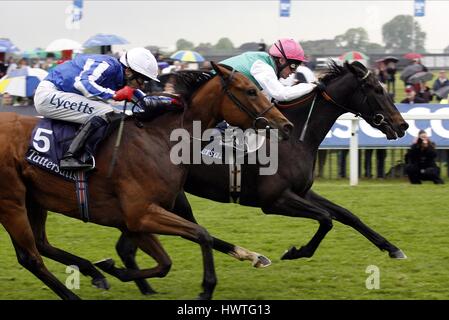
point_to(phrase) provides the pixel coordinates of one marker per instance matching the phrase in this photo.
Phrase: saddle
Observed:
(50, 140)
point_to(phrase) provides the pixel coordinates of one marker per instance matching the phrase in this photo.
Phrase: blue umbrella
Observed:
(104, 40)
(187, 56)
(7, 46)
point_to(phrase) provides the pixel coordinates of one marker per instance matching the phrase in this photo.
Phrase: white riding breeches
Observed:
(54, 104)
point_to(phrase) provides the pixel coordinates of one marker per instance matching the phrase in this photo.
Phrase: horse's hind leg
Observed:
(346, 217)
(16, 223)
(290, 204)
(37, 217)
(126, 249)
(150, 245)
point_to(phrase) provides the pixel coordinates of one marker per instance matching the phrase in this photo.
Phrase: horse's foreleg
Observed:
(37, 217)
(292, 205)
(346, 217)
(183, 209)
(157, 220)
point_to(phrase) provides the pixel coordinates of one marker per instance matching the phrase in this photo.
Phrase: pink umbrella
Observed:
(413, 55)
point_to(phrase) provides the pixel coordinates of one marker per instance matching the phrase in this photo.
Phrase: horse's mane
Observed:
(335, 70)
(186, 82)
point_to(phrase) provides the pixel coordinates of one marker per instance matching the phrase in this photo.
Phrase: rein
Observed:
(254, 116)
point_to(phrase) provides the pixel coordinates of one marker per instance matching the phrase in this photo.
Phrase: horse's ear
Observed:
(356, 68)
(216, 68)
(359, 65)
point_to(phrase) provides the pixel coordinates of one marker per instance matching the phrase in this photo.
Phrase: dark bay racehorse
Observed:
(348, 88)
(137, 199)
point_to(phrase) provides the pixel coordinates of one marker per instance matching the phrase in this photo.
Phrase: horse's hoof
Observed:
(261, 262)
(398, 254)
(148, 292)
(204, 296)
(105, 264)
(101, 283)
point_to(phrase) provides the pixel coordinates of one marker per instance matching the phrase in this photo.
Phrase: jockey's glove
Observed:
(126, 93)
(321, 87)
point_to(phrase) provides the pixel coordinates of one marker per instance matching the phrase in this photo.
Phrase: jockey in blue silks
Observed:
(83, 89)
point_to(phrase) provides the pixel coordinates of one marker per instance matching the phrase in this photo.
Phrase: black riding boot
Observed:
(70, 160)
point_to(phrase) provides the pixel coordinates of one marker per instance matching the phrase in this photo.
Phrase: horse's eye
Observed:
(252, 92)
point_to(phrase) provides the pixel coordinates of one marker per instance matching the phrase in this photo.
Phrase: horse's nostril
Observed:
(404, 126)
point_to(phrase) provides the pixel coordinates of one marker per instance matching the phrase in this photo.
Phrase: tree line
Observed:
(401, 34)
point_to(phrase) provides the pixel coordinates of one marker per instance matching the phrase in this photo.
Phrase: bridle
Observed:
(253, 115)
(378, 118)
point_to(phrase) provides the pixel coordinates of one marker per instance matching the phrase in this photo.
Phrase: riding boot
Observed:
(70, 159)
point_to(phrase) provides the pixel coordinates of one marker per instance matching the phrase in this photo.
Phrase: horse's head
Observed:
(365, 96)
(245, 106)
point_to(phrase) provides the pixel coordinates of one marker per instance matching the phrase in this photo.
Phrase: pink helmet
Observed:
(289, 49)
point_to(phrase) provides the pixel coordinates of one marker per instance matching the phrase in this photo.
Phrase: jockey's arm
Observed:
(87, 81)
(146, 102)
(266, 77)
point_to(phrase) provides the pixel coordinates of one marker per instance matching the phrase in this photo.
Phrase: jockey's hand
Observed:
(126, 93)
(321, 87)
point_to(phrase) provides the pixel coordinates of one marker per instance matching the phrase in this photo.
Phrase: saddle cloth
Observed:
(241, 145)
(49, 141)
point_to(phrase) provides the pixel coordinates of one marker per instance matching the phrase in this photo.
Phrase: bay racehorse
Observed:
(138, 197)
(348, 88)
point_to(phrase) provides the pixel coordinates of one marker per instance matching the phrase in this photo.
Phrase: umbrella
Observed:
(62, 45)
(34, 53)
(388, 59)
(410, 70)
(187, 56)
(391, 59)
(413, 55)
(104, 40)
(420, 77)
(442, 93)
(162, 65)
(22, 82)
(353, 56)
(7, 46)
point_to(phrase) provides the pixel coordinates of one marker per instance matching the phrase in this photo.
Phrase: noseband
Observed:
(378, 119)
(254, 116)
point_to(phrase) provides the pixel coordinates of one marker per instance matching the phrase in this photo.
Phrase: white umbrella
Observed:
(63, 44)
(22, 82)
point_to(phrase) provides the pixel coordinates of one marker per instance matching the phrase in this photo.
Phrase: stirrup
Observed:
(71, 163)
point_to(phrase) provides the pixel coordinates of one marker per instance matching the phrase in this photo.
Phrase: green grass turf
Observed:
(414, 218)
